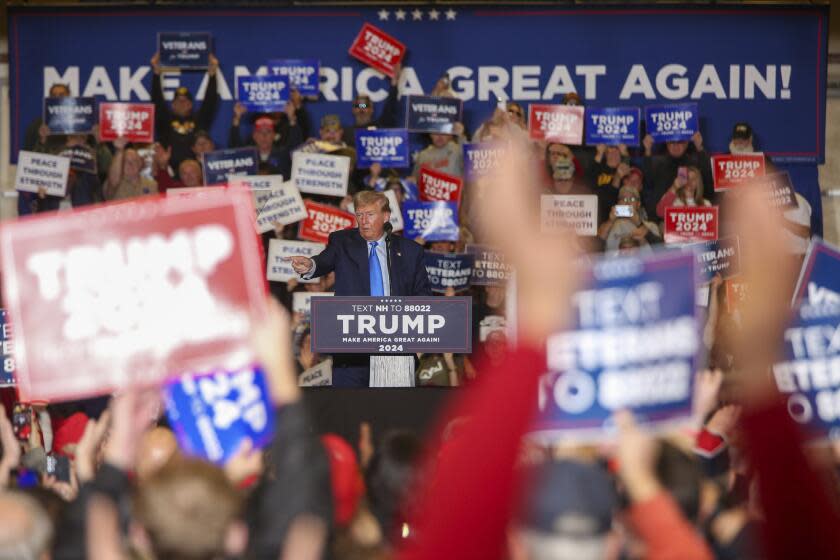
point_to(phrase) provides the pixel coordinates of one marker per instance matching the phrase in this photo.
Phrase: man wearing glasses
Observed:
(363, 111)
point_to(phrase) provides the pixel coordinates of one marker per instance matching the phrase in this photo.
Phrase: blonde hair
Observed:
(699, 200)
(367, 198)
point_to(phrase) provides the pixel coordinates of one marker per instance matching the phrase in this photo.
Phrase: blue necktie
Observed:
(376, 288)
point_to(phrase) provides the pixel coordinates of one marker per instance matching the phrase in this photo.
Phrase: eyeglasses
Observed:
(631, 199)
(515, 112)
(360, 105)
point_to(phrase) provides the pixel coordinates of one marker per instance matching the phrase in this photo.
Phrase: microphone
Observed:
(388, 228)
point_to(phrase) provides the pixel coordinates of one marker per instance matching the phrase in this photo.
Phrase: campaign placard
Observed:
(82, 158)
(391, 325)
(262, 94)
(436, 185)
(278, 270)
(386, 146)
(7, 348)
(632, 344)
(133, 121)
(433, 221)
(70, 115)
(806, 377)
(221, 165)
(184, 49)
(425, 113)
(482, 158)
(378, 50)
(275, 201)
(579, 212)
(211, 414)
(42, 171)
(613, 126)
(691, 224)
(672, 123)
(779, 189)
(556, 123)
(320, 173)
(322, 220)
(489, 268)
(131, 292)
(449, 270)
(303, 74)
(301, 301)
(819, 278)
(319, 375)
(732, 170)
(720, 257)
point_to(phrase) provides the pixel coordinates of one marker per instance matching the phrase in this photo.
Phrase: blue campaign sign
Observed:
(7, 359)
(432, 114)
(223, 164)
(613, 125)
(720, 257)
(387, 147)
(433, 221)
(185, 49)
(82, 158)
(633, 344)
(212, 414)
(263, 93)
(672, 123)
(70, 115)
(819, 278)
(449, 270)
(807, 375)
(304, 75)
(481, 159)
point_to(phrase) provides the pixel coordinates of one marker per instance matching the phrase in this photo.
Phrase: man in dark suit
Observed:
(362, 267)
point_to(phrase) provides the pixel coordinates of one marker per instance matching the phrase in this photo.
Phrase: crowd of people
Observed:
(739, 484)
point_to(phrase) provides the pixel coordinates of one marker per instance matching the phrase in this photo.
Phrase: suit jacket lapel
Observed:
(359, 253)
(396, 259)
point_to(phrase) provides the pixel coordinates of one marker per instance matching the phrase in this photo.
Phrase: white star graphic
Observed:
(416, 15)
(383, 15)
(434, 14)
(400, 15)
(450, 14)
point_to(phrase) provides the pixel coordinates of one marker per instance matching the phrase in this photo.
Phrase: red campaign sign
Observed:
(557, 123)
(133, 121)
(731, 170)
(322, 220)
(377, 49)
(434, 185)
(691, 224)
(131, 293)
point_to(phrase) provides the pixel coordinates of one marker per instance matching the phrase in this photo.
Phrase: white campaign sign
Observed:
(36, 171)
(577, 211)
(274, 200)
(278, 270)
(320, 173)
(317, 376)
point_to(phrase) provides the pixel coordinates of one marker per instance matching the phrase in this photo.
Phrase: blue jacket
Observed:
(347, 255)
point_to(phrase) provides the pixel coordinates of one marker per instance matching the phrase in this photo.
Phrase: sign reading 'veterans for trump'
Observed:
(132, 292)
(221, 165)
(432, 114)
(70, 115)
(184, 49)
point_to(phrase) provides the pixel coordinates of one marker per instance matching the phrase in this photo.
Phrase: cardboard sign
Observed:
(779, 189)
(275, 201)
(70, 115)
(42, 171)
(481, 159)
(278, 270)
(322, 220)
(303, 74)
(184, 49)
(807, 376)
(691, 224)
(319, 375)
(81, 158)
(633, 344)
(433, 221)
(737, 294)
(425, 113)
(613, 126)
(489, 268)
(449, 270)
(262, 94)
(731, 170)
(556, 123)
(378, 50)
(435, 185)
(211, 414)
(302, 301)
(133, 121)
(569, 211)
(387, 147)
(721, 257)
(403, 325)
(221, 165)
(7, 348)
(131, 292)
(672, 123)
(819, 278)
(320, 173)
